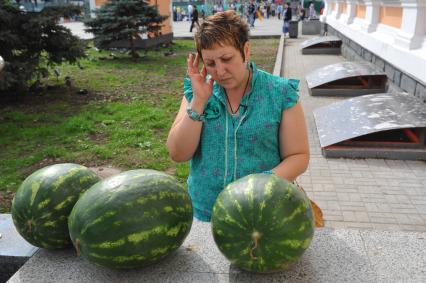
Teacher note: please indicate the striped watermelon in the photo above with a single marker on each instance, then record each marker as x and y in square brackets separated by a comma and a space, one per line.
[262, 223]
[43, 202]
[131, 220]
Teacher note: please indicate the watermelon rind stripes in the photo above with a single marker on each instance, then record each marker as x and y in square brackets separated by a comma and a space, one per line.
[131, 220]
[43, 202]
[262, 223]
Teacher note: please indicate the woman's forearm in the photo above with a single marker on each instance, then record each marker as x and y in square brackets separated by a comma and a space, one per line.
[184, 135]
[183, 139]
[293, 166]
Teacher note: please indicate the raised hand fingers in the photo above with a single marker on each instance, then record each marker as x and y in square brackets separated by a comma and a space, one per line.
[190, 62]
[204, 72]
[196, 61]
[193, 62]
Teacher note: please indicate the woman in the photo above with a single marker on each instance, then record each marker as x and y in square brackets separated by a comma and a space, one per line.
[234, 119]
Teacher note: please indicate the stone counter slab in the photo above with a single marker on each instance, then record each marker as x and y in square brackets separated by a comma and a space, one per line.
[334, 256]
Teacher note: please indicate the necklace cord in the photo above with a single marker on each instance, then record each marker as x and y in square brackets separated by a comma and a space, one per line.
[244, 92]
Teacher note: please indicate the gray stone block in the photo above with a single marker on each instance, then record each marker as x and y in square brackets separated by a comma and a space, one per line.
[324, 28]
[356, 47]
[345, 40]
[421, 92]
[408, 84]
[344, 50]
[348, 53]
[311, 27]
[358, 58]
[367, 55]
[390, 71]
[14, 250]
[392, 88]
[379, 63]
[334, 256]
[397, 78]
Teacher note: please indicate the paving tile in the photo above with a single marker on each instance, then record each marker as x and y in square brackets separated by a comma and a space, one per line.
[361, 186]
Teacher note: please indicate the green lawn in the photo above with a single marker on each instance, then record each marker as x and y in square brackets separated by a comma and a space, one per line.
[123, 121]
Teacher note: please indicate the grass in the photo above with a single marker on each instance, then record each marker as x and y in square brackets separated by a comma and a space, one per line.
[122, 122]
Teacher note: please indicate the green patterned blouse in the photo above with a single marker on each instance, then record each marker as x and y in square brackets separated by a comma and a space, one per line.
[231, 146]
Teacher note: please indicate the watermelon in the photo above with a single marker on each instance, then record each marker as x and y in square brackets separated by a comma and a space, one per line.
[262, 223]
[131, 220]
[43, 202]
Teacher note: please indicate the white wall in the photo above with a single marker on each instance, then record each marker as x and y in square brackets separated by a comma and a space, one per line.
[405, 48]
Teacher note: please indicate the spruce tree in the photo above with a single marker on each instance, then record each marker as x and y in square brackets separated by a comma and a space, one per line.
[124, 20]
[31, 43]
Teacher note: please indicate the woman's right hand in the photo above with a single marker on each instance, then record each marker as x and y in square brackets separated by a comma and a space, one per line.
[201, 89]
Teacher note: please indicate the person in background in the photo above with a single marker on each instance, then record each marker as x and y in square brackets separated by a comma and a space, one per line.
[259, 13]
[280, 10]
[273, 9]
[190, 11]
[302, 14]
[174, 14]
[220, 7]
[268, 9]
[179, 13]
[235, 119]
[251, 13]
[322, 6]
[286, 18]
[194, 18]
[243, 8]
[312, 14]
[184, 16]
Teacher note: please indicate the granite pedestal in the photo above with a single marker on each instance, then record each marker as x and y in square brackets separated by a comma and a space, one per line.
[311, 27]
[14, 250]
[334, 256]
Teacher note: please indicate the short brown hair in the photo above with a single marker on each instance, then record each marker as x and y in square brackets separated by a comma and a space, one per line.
[223, 28]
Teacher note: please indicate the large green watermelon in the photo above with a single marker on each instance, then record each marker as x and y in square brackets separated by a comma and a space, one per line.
[131, 220]
[262, 223]
[43, 202]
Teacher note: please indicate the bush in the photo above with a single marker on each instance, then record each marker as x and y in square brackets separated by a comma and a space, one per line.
[32, 43]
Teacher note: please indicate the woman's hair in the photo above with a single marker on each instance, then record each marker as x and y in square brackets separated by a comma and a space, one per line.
[223, 28]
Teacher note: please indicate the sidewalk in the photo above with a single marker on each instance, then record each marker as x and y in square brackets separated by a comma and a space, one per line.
[356, 193]
[266, 27]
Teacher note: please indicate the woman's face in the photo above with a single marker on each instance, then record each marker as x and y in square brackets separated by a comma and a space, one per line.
[226, 65]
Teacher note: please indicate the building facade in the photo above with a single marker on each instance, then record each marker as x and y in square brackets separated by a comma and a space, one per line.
[389, 33]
